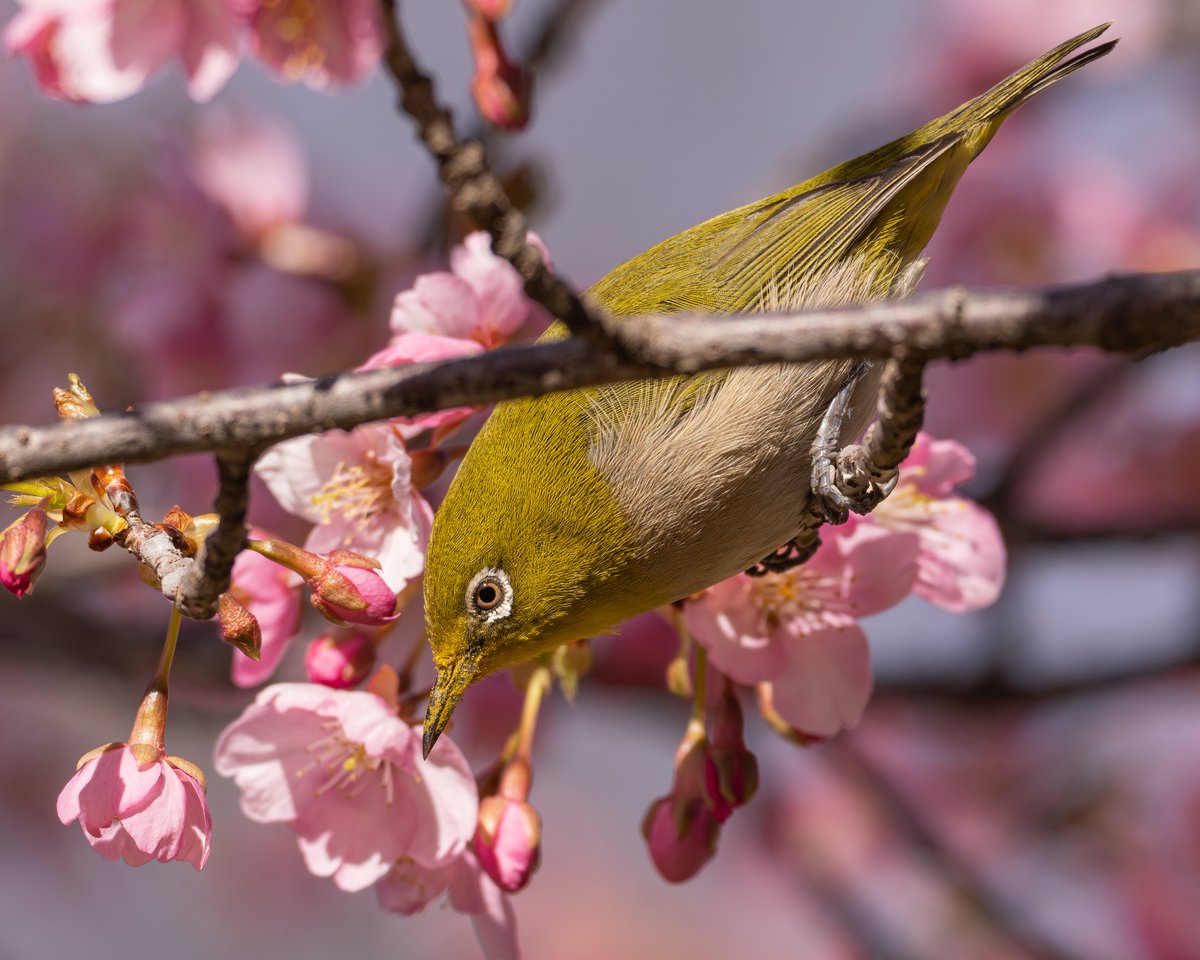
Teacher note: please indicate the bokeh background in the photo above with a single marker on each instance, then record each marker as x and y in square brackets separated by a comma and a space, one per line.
[1027, 780]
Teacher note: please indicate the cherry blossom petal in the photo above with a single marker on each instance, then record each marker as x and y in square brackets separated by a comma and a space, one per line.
[935, 467]
[157, 828]
[962, 560]
[196, 842]
[272, 594]
[409, 887]
[109, 786]
[874, 567]
[209, 47]
[827, 682]
[734, 630]
[448, 809]
[439, 304]
[498, 288]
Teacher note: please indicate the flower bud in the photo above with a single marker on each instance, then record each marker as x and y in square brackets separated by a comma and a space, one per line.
[731, 771]
[347, 593]
[239, 627]
[502, 90]
[74, 402]
[345, 585]
[508, 841]
[681, 829]
[678, 855]
[489, 9]
[23, 552]
[340, 659]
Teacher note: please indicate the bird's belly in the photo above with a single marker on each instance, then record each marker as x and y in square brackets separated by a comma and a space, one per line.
[716, 491]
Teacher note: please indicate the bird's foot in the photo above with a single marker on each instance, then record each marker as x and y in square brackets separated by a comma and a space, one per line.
[844, 480]
[793, 553]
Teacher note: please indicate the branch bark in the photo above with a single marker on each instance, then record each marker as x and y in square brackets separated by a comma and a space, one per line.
[1136, 313]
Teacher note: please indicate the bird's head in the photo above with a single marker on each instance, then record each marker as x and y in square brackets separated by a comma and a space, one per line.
[529, 550]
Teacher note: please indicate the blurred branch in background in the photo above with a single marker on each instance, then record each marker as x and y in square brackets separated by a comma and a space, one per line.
[542, 53]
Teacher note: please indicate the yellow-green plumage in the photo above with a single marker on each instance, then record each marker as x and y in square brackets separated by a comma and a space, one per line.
[584, 508]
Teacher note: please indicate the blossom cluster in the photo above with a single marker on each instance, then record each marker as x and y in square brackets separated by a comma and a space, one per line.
[105, 50]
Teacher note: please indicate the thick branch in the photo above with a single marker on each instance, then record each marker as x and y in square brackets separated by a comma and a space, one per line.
[1136, 313]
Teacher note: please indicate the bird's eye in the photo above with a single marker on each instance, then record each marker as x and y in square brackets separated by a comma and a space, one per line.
[490, 594]
[487, 595]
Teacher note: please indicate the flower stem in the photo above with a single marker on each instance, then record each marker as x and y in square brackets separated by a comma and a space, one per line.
[539, 685]
[147, 739]
[699, 687]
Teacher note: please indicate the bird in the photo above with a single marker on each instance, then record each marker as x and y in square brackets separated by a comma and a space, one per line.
[574, 511]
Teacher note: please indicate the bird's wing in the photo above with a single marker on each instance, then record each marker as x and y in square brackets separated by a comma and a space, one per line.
[819, 248]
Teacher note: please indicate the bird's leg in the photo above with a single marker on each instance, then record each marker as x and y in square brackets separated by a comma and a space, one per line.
[860, 476]
[832, 499]
[867, 472]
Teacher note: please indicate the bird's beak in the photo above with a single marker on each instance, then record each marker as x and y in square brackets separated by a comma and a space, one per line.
[451, 682]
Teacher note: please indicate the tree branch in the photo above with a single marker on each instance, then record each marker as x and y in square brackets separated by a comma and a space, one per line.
[1136, 313]
[208, 576]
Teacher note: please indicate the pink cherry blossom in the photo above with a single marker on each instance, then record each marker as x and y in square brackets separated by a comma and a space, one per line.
[272, 594]
[346, 774]
[483, 299]
[409, 887]
[104, 50]
[960, 556]
[357, 488]
[318, 42]
[252, 167]
[799, 629]
[138, 812]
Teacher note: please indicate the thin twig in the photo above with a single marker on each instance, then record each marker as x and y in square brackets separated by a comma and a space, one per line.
[209, 574]
[1121, 314]
[474, 189]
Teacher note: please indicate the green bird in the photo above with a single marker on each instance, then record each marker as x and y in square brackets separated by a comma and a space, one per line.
[574, 511]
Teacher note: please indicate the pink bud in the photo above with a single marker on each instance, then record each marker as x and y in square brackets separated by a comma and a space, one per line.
[351, 594]
[490, 9]
[340, 660]
[23, 552]
[680, 851]
[681, 828]
[502, 90]
[508, 841]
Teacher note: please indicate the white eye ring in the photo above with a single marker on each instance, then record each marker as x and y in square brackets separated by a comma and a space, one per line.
[495, 605]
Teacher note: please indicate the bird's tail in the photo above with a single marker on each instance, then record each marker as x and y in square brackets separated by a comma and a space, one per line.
[988, 110]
